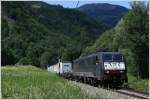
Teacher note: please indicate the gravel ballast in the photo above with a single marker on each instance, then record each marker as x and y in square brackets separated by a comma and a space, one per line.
[99, 92]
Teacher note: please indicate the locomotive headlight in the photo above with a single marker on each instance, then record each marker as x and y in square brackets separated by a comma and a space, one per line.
[107, 72]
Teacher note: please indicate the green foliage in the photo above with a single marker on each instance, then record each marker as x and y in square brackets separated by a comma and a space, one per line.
[136, 26]
[45, 59]
[70, 54]
[29, 29]
[28, 82]
[134, 36]
[104, 42]
[7, 56]
[24, 61]
[138, 85]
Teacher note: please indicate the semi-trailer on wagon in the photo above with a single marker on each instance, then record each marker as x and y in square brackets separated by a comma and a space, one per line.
[62, 68]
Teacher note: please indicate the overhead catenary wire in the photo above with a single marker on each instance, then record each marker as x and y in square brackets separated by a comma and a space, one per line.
[77, 4]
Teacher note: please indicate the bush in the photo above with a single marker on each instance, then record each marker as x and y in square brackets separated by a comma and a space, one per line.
[45, 59]
[24, 61]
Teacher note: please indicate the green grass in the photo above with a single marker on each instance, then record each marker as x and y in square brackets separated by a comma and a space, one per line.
[30, 82]
[138, 85]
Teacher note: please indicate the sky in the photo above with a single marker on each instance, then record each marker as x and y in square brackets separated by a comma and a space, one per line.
[73, 3]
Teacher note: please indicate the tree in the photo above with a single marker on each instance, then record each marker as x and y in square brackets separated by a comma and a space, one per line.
[70, 53]
[45, 59]
[136, 27]
[28, 32]
[24, 61]
[132, 36]
[8, 58]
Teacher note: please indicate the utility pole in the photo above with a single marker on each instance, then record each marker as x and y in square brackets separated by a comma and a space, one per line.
[77, 4]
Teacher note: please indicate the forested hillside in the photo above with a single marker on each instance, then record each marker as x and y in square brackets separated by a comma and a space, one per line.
[103, 12]
[38, 34]
[130, 36]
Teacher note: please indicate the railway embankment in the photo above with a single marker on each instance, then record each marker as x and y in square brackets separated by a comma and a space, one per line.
[29, 82]
[99, 92]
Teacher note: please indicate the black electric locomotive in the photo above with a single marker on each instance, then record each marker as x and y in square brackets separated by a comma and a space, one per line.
[101, 68]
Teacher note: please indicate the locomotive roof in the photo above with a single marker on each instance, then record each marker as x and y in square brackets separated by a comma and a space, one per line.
[97, 53]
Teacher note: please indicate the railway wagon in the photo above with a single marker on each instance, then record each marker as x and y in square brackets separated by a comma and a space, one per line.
[101, 68]
[62, 68]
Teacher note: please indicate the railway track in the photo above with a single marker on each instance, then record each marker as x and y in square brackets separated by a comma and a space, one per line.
[106, 93]
[125, 91]
[133, 93]
[129, 92]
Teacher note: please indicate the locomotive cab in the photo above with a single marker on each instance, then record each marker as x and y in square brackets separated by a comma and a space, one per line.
[113, 62]
[114, 67]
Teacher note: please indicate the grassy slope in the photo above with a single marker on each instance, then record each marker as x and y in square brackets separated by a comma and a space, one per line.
[138, 85]
[31, 82]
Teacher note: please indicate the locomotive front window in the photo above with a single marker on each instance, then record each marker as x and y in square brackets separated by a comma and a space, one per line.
[107, 57]
[117, 57]
[112, 57]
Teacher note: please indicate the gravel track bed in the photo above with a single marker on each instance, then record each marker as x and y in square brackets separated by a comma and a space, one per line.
[99, 92]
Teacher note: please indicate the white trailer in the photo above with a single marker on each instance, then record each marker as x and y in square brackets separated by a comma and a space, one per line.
[61, 68]
[65, 67]
[54, 68]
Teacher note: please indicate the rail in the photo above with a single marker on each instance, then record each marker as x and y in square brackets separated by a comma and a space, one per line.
[133, 93]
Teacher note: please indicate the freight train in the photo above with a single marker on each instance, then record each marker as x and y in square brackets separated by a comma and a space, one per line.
[101, 68]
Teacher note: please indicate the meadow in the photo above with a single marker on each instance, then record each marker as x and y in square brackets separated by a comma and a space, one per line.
[29, 82]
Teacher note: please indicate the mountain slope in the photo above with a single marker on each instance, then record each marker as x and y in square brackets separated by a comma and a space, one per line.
[103, 12]
[38, 34]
